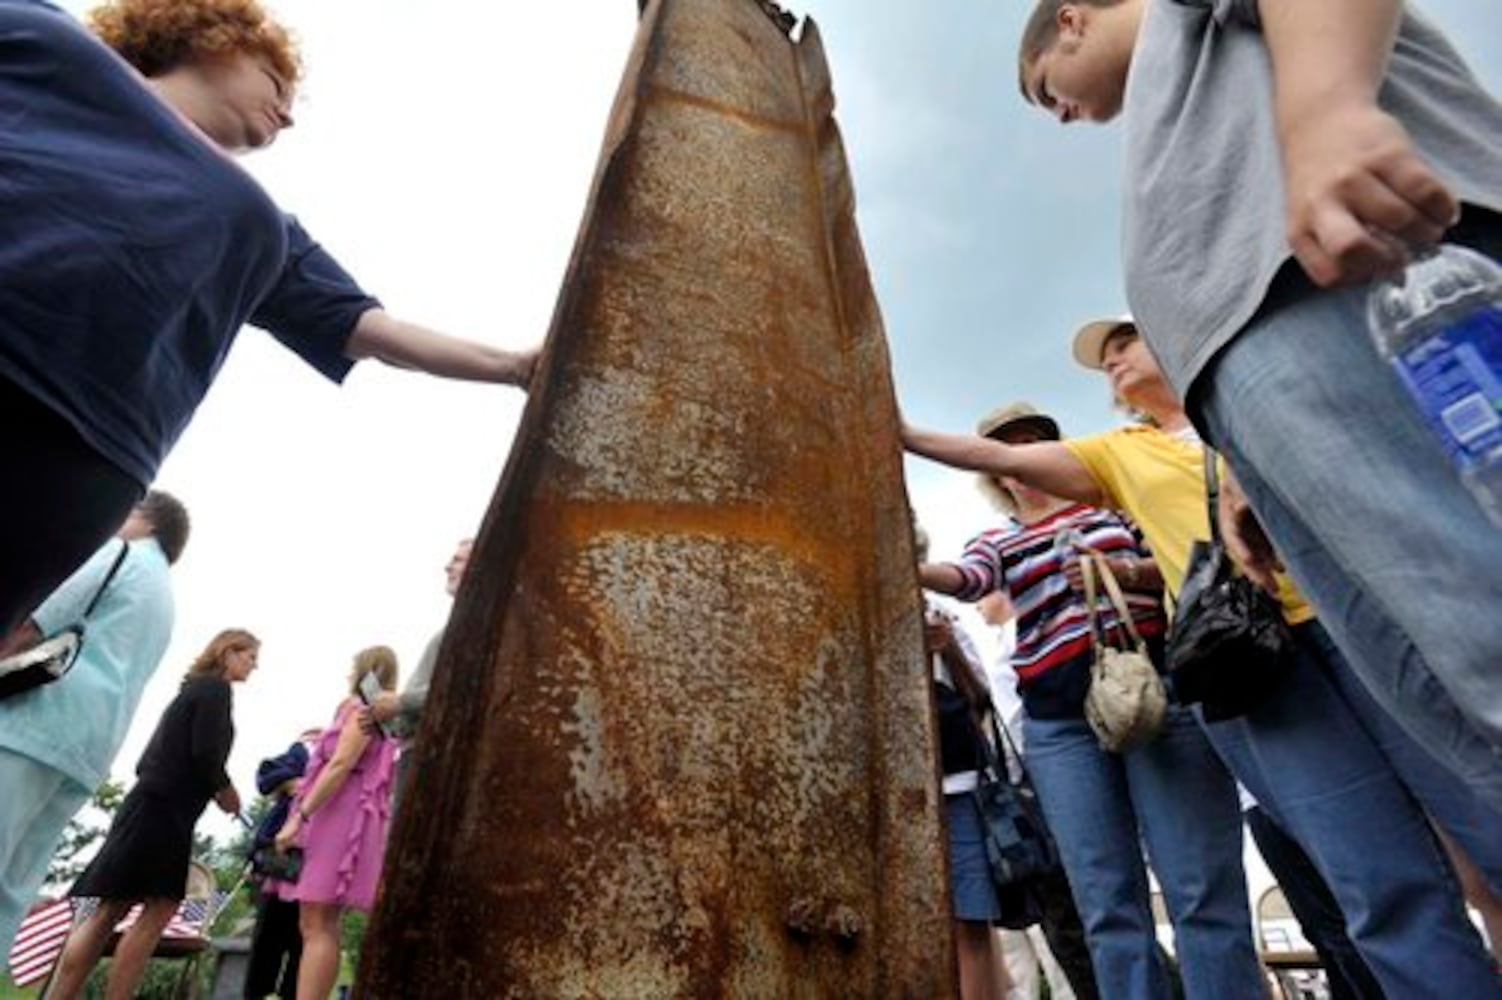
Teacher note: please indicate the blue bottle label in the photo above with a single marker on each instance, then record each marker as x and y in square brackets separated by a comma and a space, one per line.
[1455, 376]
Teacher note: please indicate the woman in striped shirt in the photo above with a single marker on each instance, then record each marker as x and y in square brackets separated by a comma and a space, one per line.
[1172, 794]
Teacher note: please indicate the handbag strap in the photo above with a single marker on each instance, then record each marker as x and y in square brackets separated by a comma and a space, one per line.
[1092, 562]
[124, 551]
[1212, 492]
[999, 732]
[995, 750]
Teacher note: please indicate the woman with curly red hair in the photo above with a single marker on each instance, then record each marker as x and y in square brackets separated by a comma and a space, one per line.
[224, 64]
[132, 249]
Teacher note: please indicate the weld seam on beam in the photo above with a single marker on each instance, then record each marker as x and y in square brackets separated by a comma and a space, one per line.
[668, 95]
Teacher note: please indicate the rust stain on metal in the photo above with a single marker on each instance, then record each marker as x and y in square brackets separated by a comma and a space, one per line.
[679, 741]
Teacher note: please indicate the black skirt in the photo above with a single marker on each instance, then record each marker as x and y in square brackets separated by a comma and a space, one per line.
[146, 853]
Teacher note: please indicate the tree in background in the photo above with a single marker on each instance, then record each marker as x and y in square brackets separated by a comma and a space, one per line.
[83, 832]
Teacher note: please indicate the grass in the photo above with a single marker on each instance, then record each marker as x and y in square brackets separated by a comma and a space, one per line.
[10, 991]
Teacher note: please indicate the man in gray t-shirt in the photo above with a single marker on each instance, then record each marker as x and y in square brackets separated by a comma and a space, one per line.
[405, 710]
[1279, 155]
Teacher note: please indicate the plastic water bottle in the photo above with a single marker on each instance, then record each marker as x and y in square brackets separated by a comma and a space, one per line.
[1440, 326]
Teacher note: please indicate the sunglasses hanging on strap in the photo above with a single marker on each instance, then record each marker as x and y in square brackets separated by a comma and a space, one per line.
[55, 655]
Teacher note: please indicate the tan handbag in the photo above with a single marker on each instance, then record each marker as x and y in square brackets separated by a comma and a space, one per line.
[1126, 700]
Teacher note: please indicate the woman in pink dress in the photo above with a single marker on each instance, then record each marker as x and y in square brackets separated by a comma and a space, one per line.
[339, 819]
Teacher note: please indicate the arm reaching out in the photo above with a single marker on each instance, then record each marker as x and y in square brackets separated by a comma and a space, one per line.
[398, 342]
[1043, 465]
[943, 578]
[1357, 191]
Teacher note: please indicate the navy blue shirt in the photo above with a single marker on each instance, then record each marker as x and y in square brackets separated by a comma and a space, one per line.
[132, 249]
[271, 775]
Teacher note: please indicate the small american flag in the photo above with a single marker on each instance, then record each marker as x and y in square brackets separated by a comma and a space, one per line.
[45, 930]
[191, 919]
[40, 941]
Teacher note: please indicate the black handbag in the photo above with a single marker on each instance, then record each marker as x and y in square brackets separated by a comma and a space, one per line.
[284, 866]
[1229, 647]
[55, 655]
[1020, 851]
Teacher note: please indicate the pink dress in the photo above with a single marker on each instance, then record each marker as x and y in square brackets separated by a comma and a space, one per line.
[344, 840]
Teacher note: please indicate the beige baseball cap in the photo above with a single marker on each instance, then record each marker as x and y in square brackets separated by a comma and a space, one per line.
[1090, 339]
[1016, 414]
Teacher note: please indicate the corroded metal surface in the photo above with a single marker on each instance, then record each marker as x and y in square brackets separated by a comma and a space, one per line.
[679, 743]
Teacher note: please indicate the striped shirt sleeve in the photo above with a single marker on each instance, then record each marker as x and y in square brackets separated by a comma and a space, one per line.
[982, 566]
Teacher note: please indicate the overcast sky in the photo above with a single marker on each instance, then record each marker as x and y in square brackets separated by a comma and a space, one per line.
[443, 151]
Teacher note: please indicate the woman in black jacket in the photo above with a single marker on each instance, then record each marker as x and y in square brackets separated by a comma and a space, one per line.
[146, 854]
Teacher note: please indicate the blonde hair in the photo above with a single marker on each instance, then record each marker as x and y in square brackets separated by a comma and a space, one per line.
[999, 496]
[1131, 412]
[210, 662]
[378, 660]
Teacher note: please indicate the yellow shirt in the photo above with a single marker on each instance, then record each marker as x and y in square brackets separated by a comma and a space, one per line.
[1159, 481]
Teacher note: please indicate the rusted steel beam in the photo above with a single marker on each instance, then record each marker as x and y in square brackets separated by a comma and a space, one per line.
[679, 742]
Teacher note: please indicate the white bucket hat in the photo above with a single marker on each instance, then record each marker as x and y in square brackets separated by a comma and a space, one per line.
[1090, 339]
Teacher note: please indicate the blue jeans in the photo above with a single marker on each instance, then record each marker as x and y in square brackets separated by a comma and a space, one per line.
[1174, 795]
[1369, 516]
[971, 891]
[1454, 807]
[1312, 767]
[1316, 909]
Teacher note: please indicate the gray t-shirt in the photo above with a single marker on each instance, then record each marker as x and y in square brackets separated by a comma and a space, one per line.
[414, 696]
[1205, 232]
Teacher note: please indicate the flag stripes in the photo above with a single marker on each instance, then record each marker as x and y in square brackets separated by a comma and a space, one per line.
[44, 931]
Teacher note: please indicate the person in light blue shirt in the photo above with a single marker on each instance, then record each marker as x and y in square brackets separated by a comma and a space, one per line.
[57, 741]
